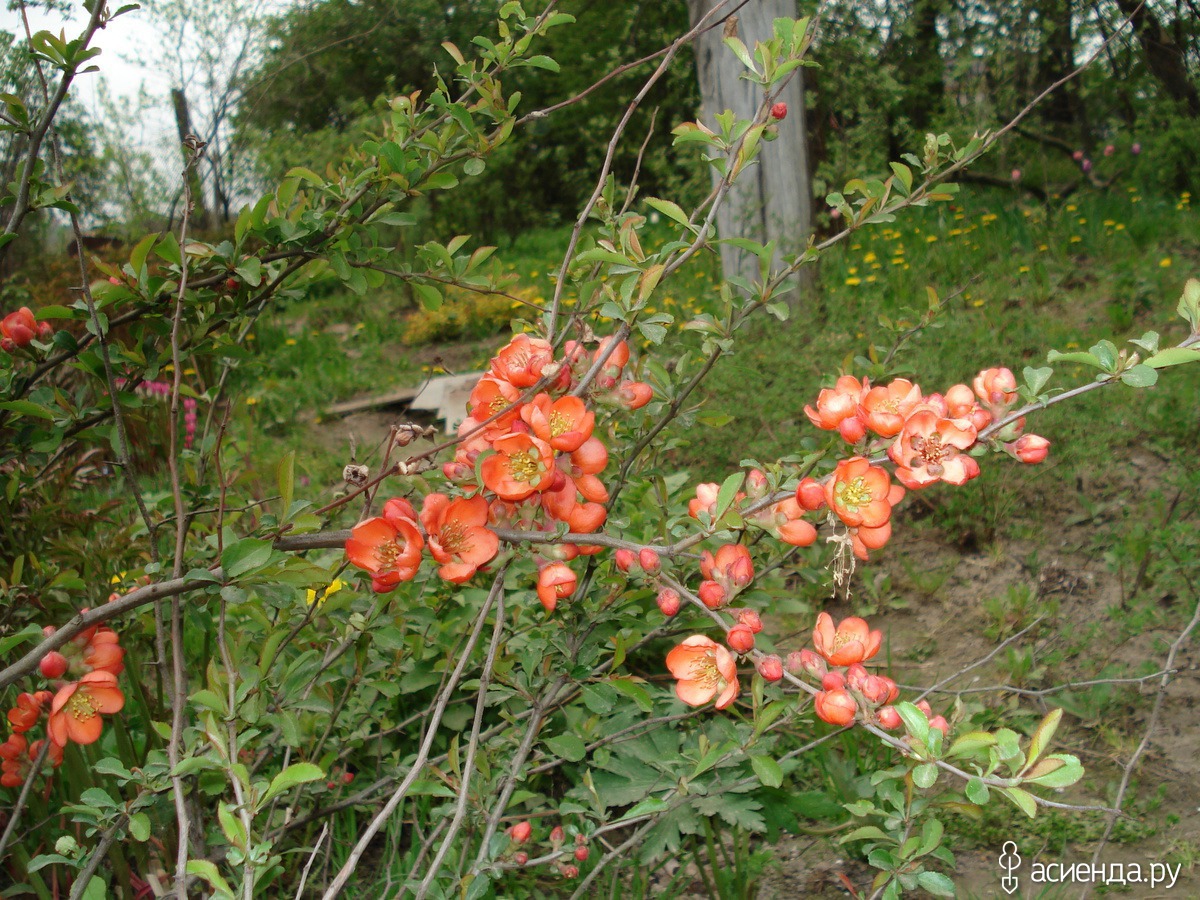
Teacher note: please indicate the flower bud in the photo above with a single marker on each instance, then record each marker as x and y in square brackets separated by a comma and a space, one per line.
[940, 723]
[811, 663]
[668, 602]
[835, 707]
[779, 111]
[347, 777]
[833, 681]
[889, 718]
[756, 484]
[53, 665]
[810, 494]
[520, 832]
[1109, 150]
[624, 560]
[1016, 174]
[923, 706]
[570, 871]
[555, 582]
[520, 857]
[711, 594]
[751, 619]
[557, 835]
[1031, 448]
[650, 561]
[770, 667]
[581, 854]
[1077, 156]
[740, 638]
[1135, 149]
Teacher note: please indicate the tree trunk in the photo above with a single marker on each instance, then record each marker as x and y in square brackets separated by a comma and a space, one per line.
[772, 201]
[1163, 56]
[183, 122]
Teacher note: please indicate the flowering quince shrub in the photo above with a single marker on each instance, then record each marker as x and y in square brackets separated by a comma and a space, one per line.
[509, 663]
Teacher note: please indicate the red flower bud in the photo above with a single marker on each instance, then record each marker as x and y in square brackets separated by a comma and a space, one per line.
[570, 871]
[624, 560]
[1031, 448]
[810, 494]
[833, 681]
[581, 854]
[53, 665]
[650, 561]
[940, 723]
[520, 857]
[557, 835]
[520, 832]
[347, 777]
[751, 619]
[889, 718]
[779, 111]
[770, 667]
[740, 638]
[711, 594]
[668, 602]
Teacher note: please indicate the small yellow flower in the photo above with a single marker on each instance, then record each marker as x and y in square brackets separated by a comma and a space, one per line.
[870, 278]
[250, 401]
[291, 342]
[1082, 221]
[1023, 268]
[325, 594]
[1120, 226]
[1135, 199]
[856, 246]
[853, 281]
[954, 232]
[932, 239]
[1042, 248]
[853, 270]
[1075, 239]
[1109, 223]
[1165, 262]
[870, 257]
[978, 303]
[1072, 345]
[1071, 207]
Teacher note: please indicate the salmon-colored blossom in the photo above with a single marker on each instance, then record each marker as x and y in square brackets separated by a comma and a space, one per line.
[520, 363]
[1029, 448]
[635, 394]
[564, 424]
[852, 641]
[387, 546]
[76, 709]
[810, 494]
[704, 671]
[492, 395]
[521, 465]
[838, 408]
[28, 710]
[996, 388]
[725, 574]
[885, 408]
[861, 494]
[930, 449]
[555, 582]
[18, 329]
[458, 536]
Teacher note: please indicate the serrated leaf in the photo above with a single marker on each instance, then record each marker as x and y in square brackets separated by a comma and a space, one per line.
[1036, 379]
[866, 833]
[925, 775]
[1173, 356]
[139, 827]
[937, 884]
[1043, 736]
[1078, 356]
[1023, 800]
[245, 556]
[977, 792]
[727, 494]
[915, 721]
[1063, 771]
[1140, 376]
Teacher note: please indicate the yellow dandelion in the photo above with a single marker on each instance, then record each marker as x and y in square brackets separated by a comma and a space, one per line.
[1072, 345]
[853, 270]
[1165, 262]
[1135, 199]
[954, 232]
[1042, 248]
[291, 342]
[856, 246]
[853, 281]
[1023, 268]
[1120, 226]
[898, 261]
[870, 278]
[1075, 239]
[978, 303]
[1071, 207]
[1109, 223]
[250, 401]
[870, 257]
[1082, 221]
[932, 239]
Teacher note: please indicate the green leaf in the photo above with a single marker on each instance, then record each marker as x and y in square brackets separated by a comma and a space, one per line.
[567, 746]
[914, 721]
[542, 62]
[208, 871]
[1023, 799]
[937, 884]
[867, 833]
[474, 166]
[28, 633]
[1173, 356]
[297, 773]
[1058, 770]
[970, 742]
[767, 770]
[1140, 376]
[925, 775]
[672, 211]
[1036, 378]
[727, 494]
[1079, 356]
[28, 408]
[1189, 304]
[1106, 353]
[245, 556]
[285, 474]
[977, 792]
[1043, 736]
[139, 827]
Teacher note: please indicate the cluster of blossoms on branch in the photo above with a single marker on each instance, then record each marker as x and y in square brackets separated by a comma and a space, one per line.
[520, 832]
[83, 674]
[18, 329]
[927, 438]
[526, 458]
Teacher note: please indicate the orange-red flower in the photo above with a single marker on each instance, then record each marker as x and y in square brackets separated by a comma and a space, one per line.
[930, 449]
[786, 520]
[725, 574]
[492, 395]
[838, 408]
[104, 652]
[1029, 448]
[861, 494]
[705, 670]
[521, 465]
[851, 642]
[458, 536]
[555, 582]
[635, 394]
[564, 423]
[885, 408]
[18, 328]
[28, 710]
[76, 710]
[835, 707]
[520, 363]
[387, 546]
